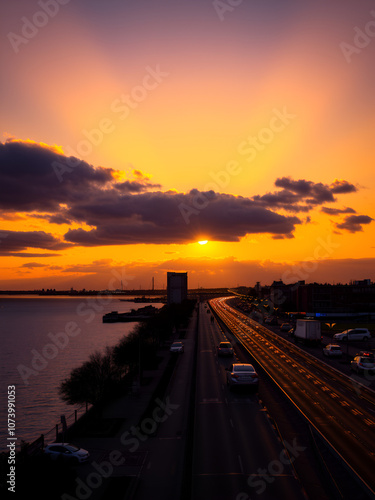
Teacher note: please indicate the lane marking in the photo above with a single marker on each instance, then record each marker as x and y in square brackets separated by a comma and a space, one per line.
[356, 412]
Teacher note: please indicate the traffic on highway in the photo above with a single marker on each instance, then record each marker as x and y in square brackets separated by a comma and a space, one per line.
[340, 408]
[237, 453]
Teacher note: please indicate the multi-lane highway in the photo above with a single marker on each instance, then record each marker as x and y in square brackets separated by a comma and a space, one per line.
[236, 453]
[240, 445]
[342, 411]
[218, 444]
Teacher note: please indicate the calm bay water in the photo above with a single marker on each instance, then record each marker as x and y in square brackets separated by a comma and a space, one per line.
[27, 326]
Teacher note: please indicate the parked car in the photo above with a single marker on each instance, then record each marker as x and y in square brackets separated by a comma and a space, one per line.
[177, 347]
[285, 327]
[242, 374]
[363, 364]
[67, 451]
[353, 334]
[332, 350]
[224, 349]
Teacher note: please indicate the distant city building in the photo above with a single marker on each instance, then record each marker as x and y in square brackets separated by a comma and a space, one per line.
[176, 288]
[321, 298]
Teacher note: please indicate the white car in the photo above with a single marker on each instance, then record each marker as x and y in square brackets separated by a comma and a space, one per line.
[363, 364]
[332, 350]
[242, 374]
[353, 334]
[177, 347]
[67, 451]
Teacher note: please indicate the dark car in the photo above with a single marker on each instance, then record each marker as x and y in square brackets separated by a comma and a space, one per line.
[225, 349]
[242, 374]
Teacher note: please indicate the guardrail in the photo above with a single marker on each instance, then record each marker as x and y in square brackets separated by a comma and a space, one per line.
[57, 431]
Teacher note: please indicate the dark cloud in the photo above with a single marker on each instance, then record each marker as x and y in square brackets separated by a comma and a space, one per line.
[38, 180]
[29, 255]
[37, 177]
[341, 186]
[174, 217]
[337, 211]
[12, 242]
[135, 186]
[302, 195]
[32, 265]
[313, 193]
[353, 223]
[28, 180]
[282, 200]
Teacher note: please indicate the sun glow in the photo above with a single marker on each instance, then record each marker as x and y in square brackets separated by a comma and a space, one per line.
[203, 242]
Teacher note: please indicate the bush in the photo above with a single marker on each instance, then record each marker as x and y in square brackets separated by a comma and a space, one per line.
[90, 382]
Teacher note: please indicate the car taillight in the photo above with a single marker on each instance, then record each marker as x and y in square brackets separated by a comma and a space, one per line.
[234, 375]
[254, 375]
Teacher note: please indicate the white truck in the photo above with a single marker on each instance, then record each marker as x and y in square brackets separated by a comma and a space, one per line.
[307, 331]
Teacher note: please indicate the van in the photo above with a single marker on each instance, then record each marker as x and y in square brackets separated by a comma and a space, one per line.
[353, 334]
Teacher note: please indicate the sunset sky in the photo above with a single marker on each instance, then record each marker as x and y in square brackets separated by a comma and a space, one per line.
[133, 130]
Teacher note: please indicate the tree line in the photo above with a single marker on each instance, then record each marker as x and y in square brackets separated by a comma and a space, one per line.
[105, 373]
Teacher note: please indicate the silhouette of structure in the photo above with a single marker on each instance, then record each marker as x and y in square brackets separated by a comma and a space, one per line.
[176, 287]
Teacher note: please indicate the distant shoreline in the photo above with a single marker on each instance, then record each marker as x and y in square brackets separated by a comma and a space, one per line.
[119, 293]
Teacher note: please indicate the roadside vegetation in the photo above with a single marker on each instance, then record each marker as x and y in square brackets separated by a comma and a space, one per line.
[104, 374]
[101, 378]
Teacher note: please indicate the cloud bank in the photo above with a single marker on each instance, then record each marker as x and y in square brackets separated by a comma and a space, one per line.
[39, 180]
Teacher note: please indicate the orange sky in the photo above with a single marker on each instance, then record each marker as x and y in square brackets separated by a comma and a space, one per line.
[172, 98]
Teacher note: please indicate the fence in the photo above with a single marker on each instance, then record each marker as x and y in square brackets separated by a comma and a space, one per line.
[58, 430]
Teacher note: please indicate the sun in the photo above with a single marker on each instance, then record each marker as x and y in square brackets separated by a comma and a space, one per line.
[203, 242]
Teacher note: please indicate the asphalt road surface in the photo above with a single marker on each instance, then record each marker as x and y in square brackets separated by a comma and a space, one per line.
[342, 411]
[237, 453]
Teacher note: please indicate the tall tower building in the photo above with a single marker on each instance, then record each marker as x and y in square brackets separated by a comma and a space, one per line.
[176, 287]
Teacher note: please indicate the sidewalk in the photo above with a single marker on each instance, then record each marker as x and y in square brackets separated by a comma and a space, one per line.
[117, 455]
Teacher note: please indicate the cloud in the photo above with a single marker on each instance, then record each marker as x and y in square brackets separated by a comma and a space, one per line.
[353, 223]
[135, 187]
[12, 242]
[36, 177]
[29, 255]
[204, 271]
[337, 211]
[97, 266]
[32, 265]
[174, 218]
[340, 186]
[39, 181]
[28, 181]
[302, 195]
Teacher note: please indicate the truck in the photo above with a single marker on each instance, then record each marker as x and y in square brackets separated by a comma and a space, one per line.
[307, 331]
